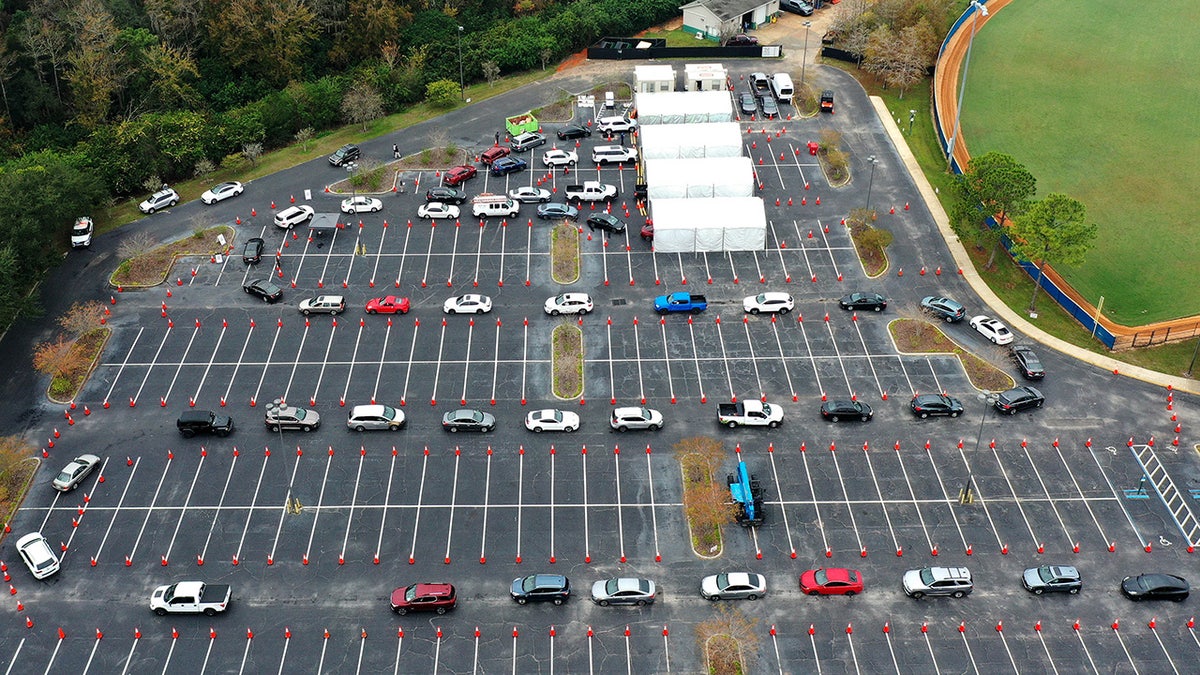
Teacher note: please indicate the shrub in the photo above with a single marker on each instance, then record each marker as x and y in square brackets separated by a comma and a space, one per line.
[442, 93]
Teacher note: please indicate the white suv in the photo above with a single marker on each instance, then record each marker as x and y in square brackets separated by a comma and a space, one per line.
[162, 199]
[636, 418]
[293, 215]
[953, 581]
[610, 154]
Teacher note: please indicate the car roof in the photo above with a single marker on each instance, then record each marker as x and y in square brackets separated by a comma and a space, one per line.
[435, 589]
[1064, 571]
[549, 580]
[366, 410]
[743, 579]
[630, 583]
[582, 297]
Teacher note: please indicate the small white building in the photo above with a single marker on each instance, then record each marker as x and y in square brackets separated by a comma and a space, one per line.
[705, 77]
[712, 18]
[652, 79]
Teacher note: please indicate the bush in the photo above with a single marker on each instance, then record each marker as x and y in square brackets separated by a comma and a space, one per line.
[442, 93]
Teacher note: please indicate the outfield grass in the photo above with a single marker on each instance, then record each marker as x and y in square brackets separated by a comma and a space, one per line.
[1098, 98]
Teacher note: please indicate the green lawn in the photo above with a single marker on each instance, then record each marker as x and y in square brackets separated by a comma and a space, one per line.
[1099, 99]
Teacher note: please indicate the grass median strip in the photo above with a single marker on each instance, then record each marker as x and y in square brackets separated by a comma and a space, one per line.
[913, 336]
[567, 361]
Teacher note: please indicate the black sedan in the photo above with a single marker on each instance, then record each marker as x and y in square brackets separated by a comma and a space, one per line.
[263, 288]
[769, 107]
[541, 588]
[573, 131]
[607, 222]
[871, 301]
[924, 405]
[1028, 362]
[556, 211]
[466, 419]
[445, 194]
[1155, 587]
[836, 411]
[1052, 579]
[252, 253]
[1019, 398]
[747, 103]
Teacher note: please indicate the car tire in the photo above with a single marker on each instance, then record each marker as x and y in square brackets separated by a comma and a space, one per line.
[1179, 599]
[752, 597]
[949, 319]
[209, 611]
[957, 594]
[522, 601]
[731, 425]
[451, 311]
[924, 415]
[187, 433]
[222, 433]
[1074, 591]
[917, 595]
[833, 418]
[772, 425]
[334, 313]
[813, 593]
[371, 312]
[375, 209]
[305, 312]
[642, 603]
[848, 593]
[783, 310]
[554, 312]
[714, 598]
[454, 430]
[266, 300]
[400, 610]
[754, 311]
[160, 611]
[274, 427]
[150, 210]
[485, 430]
[360, 428]
[953, 414]
[653, 427]
[1012, 411]
[558, 601]
[536, 430]
[622, 428]
[866, 418]
[878, 308]
[602, 603]
[1039, 403]
[1038, 591]
[569, 429]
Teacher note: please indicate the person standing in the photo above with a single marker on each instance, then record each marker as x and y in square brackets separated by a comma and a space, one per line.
[497, 139]
[395, 151]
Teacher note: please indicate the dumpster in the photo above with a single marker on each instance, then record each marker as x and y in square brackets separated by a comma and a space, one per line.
[520, 124]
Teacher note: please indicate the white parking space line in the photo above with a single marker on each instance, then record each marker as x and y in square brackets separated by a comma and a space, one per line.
[287, 389]
[612, 380]
[80, 511]
[587, 528]
[358, 246]
[1166, 652]
[916, 506]
[453, 500]
[812, 492]
[1083, 644]
[945, 496]
[320, 502]
[837, 466]
[1008, 650]
[696, 360]
[882, 505]
[812, 640]
[237, 554]
[186, 502]
[732, 267]
[92, 654]
[179, 366]
[404, 253]
[312, 400]
[362, 458]
[521, 496]
[153, 500]
[787, 373]
[283, 508]
[833, 341]
[779, 248]
[1071, 541]
[929, 646]
[679, 263]
[528, 254]
[437, 372]
[787, 529]
[973, 485]
[429, 254]
[387, 495]
[637, 346]
[207, 366]
[154, 360]
[120, 502]
[1116, 497]
[237, 365]
[962, 633]
[812, 359]
[829, 247]
[867, 353]
[50, 510]
[117, 378]
[1016, 500]
[408, 368]
[1084, 500]
[267, 362]
[225, 490]
[524, 359]
[620, 513]
[467, 361]
[753, 359]
[496, 362]
[453, 254]
[378, 255]
[479, 251]
[662, 326]
[1124, 647]
[725, 360]
[353, 361]
[487, 491]
[707, 272]
[412, 551]
[328, 256]
[1037, 630]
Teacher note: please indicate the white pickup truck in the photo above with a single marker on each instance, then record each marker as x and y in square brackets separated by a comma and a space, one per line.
[591, 191]
[750, 413]
[191, 597]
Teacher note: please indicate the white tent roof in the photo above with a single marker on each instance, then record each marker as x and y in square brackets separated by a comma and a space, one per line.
[677, 107]
[707, 225]
[680, 141]
[699, 178]
[654, 72]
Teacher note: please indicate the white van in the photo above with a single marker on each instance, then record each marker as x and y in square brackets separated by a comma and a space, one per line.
[781, 84]
[487, 205]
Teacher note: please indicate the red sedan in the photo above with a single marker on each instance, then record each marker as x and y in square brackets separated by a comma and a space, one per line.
[831, 581]
[388, 305]
[458, 174]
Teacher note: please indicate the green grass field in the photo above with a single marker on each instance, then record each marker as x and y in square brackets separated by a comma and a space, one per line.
[1100, 99]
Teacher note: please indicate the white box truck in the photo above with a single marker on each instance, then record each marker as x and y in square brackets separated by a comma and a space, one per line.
[781, 84]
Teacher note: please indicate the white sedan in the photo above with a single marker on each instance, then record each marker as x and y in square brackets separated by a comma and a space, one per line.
[361, 205]
[222, 191]
[471, 303]
[771, 301]
[568, 303]
[528, 194]
[549, 419]
[437, 210]
[558, 157]
[992, 329]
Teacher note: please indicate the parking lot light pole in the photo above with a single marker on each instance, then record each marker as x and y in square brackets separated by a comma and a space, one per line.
[871, 183]
[962, 86]
[989, 399]
[804, 59]
[351, 169]
[462, 90]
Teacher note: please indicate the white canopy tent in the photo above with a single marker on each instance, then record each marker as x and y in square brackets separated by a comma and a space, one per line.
[709, 225]
[691, 141]
[678, 107]
[700, 178]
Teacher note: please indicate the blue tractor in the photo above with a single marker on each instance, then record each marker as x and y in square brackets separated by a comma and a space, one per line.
[748, 494]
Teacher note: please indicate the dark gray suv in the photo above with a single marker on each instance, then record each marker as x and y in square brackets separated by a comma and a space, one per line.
[346, 153]
[192, 422]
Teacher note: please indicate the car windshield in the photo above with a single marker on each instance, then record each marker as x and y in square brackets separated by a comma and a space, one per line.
[610, 588]
[410, 593]
[556, 415]
[475, 416]
[821, 577]
[529, 583]
[1045, 574]
[927, 576]
[389, 412]
[722, 581]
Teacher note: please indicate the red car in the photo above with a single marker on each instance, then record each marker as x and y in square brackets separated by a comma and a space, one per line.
[424, 598]
[388, 305]
[831, 581]
[648, 232]
[492, 154]
[458, 174]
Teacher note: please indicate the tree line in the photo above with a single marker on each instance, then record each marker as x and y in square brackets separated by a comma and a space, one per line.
[895, 40]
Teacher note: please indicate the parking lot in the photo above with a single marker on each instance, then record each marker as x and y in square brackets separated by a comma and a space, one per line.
[314, 530]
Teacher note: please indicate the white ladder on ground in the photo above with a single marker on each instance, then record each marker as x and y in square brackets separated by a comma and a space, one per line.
[1172, 499]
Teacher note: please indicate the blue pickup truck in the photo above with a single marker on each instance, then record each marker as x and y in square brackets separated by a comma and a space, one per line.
[680, 302]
